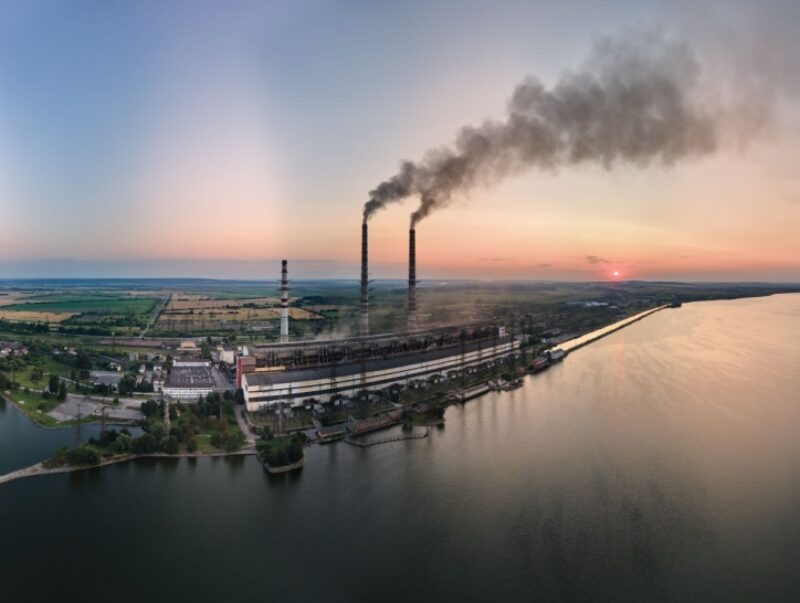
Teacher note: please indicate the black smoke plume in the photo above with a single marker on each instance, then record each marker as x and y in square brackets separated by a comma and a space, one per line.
[635, 101]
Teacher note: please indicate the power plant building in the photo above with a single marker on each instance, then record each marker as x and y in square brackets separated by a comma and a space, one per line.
[298, 386]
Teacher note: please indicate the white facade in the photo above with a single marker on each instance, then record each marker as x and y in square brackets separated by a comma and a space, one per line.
[324, 386]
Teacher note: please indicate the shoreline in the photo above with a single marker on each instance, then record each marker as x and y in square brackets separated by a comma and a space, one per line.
[608, 330]
[37, 469]
[69, 425]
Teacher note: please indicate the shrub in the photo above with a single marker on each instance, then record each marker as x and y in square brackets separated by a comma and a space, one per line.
[170, 445]
[235, 442]
[145, 444]
[218, 439]
[191, 445]
[82, 455]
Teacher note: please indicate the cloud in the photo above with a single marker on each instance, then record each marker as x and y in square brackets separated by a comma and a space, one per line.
[594, 259]
[492, 259]
[544, 265]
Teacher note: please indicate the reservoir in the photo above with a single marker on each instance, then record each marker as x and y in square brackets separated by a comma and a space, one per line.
[661, 462]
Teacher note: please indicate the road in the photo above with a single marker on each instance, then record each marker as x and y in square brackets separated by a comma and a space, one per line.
[155, 316]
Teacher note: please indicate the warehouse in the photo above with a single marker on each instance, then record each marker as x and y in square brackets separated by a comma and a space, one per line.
[188, 380]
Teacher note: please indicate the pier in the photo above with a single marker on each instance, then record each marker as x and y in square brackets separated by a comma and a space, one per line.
[411, 436]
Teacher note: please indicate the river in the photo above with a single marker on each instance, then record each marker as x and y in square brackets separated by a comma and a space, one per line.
[661, 462]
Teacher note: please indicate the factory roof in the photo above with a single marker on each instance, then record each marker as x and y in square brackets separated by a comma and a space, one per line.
[111, 379]
[301, 343]
[190, 377]
[372, 364]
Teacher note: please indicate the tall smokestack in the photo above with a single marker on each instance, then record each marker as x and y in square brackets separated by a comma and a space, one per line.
[284, 302]
[364, 323]
[412, 279]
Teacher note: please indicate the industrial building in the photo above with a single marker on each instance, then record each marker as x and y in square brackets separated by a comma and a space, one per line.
[273, 385]
[189, 380]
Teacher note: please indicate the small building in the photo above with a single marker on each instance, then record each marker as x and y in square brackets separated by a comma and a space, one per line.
[226, 355]
[110, 379]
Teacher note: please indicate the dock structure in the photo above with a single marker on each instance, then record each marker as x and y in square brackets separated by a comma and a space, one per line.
[408, 436]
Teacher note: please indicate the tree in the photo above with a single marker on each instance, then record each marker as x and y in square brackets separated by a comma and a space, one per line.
[145, 444]
[127, 385]
[82, 455]
[149, 408]
[218, 439]
[122, 444]
[62, 391]
[53, 384]
[191, 445]
[234, 442]
[157, 430]
[83, 362]
[239, 396]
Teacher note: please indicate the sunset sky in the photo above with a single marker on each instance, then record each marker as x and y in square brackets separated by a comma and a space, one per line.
[214, 138]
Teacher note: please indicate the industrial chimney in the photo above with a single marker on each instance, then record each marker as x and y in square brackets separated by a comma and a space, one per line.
[364, 323]
[284, 302]
[412, 279]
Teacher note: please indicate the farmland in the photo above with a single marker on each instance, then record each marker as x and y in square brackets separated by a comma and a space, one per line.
[187, 313]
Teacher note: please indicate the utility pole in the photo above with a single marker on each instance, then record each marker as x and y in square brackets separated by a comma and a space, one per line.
[78, 428]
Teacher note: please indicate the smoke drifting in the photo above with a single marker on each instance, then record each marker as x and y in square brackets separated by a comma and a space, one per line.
[636, 101]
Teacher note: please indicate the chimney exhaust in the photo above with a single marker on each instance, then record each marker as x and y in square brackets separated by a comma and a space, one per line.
[364, 322]
[412, 279]
[284, 302]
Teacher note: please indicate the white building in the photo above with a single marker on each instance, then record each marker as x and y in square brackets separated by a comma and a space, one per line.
[264, 389]
[188, 380]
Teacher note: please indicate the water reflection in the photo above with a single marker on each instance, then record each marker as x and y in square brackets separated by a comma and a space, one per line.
[660, 463]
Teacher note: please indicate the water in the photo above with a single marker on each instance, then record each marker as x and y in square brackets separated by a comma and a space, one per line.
[659, 463]
[23, 443]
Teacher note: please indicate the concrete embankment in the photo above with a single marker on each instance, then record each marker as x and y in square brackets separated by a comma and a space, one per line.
[400, 438]
[584, 340]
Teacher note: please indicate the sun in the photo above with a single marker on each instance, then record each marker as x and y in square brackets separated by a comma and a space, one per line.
[615, 274]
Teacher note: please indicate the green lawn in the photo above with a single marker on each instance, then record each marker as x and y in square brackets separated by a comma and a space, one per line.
[48, 366]
[30, 403]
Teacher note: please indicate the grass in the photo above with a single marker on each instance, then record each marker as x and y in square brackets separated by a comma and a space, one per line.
[204, 443]
[110, 305]
[29, 402]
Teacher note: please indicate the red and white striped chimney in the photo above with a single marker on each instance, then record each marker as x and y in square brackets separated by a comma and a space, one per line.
[284, 302]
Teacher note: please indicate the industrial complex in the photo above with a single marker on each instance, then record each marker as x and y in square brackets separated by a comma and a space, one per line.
[319, 372]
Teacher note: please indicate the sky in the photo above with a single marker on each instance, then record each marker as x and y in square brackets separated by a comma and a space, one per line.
[215, 138]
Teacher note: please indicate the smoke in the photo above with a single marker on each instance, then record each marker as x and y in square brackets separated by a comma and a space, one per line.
[636, 100]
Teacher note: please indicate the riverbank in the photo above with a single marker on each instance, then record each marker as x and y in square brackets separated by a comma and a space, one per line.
[575, 344]
[39, 468]
[457, 396]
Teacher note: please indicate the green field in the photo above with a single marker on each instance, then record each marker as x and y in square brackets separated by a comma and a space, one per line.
[102, 305]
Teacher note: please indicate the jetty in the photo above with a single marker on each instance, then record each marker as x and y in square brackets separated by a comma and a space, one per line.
[409, 436]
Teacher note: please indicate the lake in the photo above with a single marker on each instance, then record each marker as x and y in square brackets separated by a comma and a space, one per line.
[659, 463]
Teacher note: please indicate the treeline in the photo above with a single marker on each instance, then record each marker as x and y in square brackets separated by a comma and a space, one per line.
[279, 452]
[24, 327]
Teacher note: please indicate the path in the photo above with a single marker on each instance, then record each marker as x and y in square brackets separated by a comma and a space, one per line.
[155, 316]
[243, 425]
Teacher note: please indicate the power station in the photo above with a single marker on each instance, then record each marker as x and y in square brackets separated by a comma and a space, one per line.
[320, 371]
